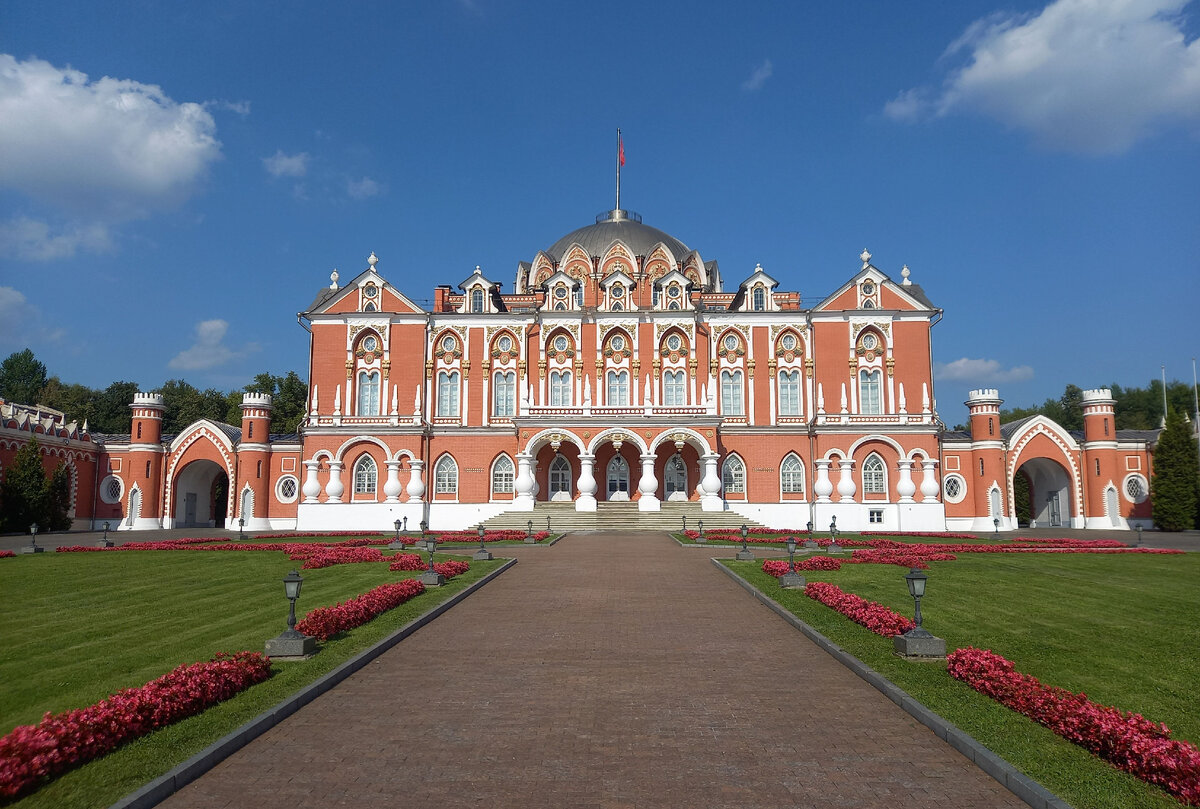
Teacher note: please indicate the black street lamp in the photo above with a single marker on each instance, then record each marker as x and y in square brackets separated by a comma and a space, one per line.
[481, 555]
[424, 530]
[405, 523]
[33, 546]
[918, 642]
[431, 578]
[996, 526]
[700, 527]
[744, 554]
[396, 544]
[810, 544]
[684, 522]
[241, 525]
[529, 540]
[291, 642]
[791, 580]
[105, 542]
[834, 547]
[547, 523]
[1139, 530]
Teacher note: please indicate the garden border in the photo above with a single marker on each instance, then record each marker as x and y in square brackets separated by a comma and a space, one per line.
[1009, 776]
[159, 789]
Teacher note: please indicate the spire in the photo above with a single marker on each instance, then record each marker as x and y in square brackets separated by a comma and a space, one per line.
[620, 162]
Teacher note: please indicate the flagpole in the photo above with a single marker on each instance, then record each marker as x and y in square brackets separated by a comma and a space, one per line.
[1164, 381]
[618, 169]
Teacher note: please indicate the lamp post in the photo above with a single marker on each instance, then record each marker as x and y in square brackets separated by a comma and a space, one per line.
[684, 522]
[701, 539]
[547, 523]
[744, 554]
[529, 540]
[834, 547]
[405, 529]
[996, 527]
[431, 578]
[810, 544]
[791, 580]
[241, 525]
[918, 642]
[105, 542]
[33, 546]
[483, 554]
[424, 530]
[396, 544]
[291, 643]
[1139, 540]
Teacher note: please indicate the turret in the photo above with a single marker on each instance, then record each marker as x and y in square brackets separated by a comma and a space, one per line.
[987, 458]
[254, 464]
[1099, 417]
[984, 405]
[144, 470]
[147, 418]
[256, 417]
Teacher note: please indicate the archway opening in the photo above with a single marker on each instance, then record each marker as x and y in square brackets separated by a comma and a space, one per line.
[201, 495]
[1049, 493]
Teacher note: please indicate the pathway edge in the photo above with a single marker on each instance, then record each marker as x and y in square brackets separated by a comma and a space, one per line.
[157, 790]
[1009, 776]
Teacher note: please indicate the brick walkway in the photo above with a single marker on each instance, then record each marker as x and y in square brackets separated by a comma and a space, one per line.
[608, 671]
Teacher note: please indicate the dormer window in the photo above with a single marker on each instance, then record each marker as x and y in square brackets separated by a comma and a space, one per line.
[759, 299]
[477, 299]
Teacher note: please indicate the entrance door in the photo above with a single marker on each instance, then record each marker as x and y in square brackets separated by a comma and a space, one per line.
[675, 479]
[189, 509]
[560, 479]
[247, 505]
[1055, 510]
[1114, 510]
[135, 506]
[618, 479]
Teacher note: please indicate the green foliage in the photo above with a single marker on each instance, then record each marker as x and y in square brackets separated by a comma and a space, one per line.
[1175, 487]
[24, 493]
[289, 399]
[186, 404]
[22, 378]
[1022, 494]
[1136, 408]
[112, 408]
[58, 498]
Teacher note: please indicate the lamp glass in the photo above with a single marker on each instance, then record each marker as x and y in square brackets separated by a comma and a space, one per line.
[397, 524]
[745, 530]
[292, 583]
[916, 583]
[791, 544]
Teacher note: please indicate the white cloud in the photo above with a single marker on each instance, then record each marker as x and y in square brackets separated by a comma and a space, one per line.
[21, 322]
[209, 349]
[759, 77]
[981, 370]
[242, 108]
[106, 150]
[1092, 76]
[284, 165]
[33, 240]
[363, 189]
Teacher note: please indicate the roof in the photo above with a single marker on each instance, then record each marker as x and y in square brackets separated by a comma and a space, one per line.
[1149, 436]
[1007, 430]
[918, 293]
[613, 226]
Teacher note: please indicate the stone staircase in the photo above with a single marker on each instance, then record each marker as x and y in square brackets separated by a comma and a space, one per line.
[614, 517]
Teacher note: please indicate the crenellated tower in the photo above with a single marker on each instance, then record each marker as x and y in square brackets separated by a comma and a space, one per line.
[1101, 471]
[254, 462]
[143, 477]
[987, 475]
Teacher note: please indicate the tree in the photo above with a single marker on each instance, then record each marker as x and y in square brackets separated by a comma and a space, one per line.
[23, 492]
[22, 378]
[112, 408]
[58, 498]
[1175, 487]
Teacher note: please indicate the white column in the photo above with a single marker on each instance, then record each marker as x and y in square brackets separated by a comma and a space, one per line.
[823, 487]
[334, 488]
[846, 487]
[929, 484]
[312, 486]
[648, 485]
[523, 484]
[416, 486]
[587, 483]
[905, 486]
[710, 484]
[392, 488]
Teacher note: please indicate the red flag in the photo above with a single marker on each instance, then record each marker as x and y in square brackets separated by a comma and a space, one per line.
[621, 143]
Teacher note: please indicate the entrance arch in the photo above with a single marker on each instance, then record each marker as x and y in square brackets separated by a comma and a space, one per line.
[201, 495]
[1049, 493]
[617, 479]
[559, 482]
[675, 478]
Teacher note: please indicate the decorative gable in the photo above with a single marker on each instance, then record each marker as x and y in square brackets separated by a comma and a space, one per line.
[479, 294]
[671, 292]
[756, 293]
[617, 291]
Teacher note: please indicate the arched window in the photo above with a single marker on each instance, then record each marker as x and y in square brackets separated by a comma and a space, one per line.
[791, 475]
[789, 393]
[579, 297]
[447, 394]
[873, 476]
[504, 394]
[731, 393]
[368, 393]
[560, 389]
[502, 475]
[674, 392]
[655, 294]
[365, 475]
[870, 400]
[445, 476]
[759, 297]
[477, 299]
[733, 475]
[618, 389]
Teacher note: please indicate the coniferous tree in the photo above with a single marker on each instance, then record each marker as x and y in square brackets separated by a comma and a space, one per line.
[23, 493]
[58, 498]
[1175, 487]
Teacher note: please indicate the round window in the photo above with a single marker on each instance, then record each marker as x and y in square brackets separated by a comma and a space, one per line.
[673, 291]
[448, 343]
[788, 342]
[868, 288]
[673, 342]
[560, 343]
[955, 488]
[560, 292]
[370, 290]
[869, 342]
[731, 342]
[618, 290]
[286, 489]
[618, 343]
[504, 343]
[370, 343]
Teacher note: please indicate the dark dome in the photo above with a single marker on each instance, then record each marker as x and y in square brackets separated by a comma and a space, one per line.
[612, 226]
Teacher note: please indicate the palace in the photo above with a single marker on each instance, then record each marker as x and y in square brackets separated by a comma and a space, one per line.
[621, 369]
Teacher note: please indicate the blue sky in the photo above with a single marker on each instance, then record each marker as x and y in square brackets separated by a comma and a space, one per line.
[177, 180]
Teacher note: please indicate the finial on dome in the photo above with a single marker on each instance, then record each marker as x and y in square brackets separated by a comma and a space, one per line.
[333, 279]
[904, 273]
[865, 258]
[758, 267]
[372, 259]
[478, 270]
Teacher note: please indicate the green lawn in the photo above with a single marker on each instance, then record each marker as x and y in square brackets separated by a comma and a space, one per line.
[79, 627]
[1125, 630]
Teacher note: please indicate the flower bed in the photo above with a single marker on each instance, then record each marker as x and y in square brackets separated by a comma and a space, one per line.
[325, 622]
[6, 554]
[413, 561]
[31, 753]
[1127, 740]
[875, 617]
[490, 536]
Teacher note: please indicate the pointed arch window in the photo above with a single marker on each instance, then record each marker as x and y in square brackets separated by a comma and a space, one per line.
[873, 478]
[447, 394]
[870, 398]
[731, 393]
[504, 394]
[674, 388]
[477, 299]
[733, 475]
[618, 389]
[365, 475]
[502, 475]
[368, 393]
[560, 389]
[445, 476]
[791, 475]
[789, 393]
